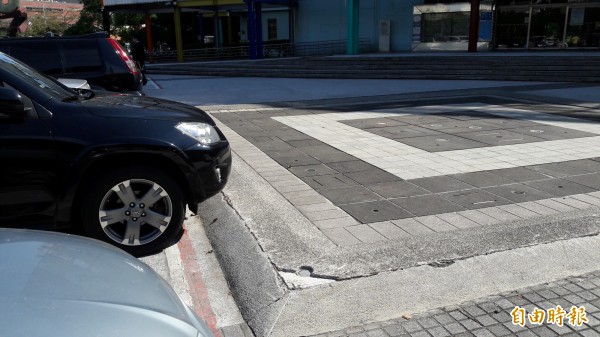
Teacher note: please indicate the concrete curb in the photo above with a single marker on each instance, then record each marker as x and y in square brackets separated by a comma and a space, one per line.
[252, 279]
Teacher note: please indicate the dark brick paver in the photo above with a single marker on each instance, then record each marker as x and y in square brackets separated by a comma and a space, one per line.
[491, 316]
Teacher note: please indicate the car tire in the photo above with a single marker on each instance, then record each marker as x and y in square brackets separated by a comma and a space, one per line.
[138, 209]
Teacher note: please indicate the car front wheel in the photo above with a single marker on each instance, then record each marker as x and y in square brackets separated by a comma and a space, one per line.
[138, 209]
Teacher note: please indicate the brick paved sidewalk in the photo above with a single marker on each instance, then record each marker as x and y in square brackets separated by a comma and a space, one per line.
[491, 316]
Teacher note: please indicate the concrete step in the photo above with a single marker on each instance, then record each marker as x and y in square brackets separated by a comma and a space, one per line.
[514, 68]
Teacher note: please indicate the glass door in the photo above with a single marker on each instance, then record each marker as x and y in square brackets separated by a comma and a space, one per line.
[511, 27]
[547, 27]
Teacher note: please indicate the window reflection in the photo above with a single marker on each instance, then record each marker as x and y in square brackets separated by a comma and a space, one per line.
[548, 24]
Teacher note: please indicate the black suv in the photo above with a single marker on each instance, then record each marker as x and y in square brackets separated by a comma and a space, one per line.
[97, 58]
[120, 167]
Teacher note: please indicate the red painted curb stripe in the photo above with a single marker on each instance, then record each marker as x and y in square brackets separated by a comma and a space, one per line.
[196, 284]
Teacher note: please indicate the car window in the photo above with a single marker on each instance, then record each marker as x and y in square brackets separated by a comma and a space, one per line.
[42, 56]
[82, 56]
[34, 77]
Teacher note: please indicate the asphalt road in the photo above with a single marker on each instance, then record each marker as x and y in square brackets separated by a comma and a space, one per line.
[346, 198]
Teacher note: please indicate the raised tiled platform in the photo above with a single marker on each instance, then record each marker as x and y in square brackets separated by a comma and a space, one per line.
[366, 176]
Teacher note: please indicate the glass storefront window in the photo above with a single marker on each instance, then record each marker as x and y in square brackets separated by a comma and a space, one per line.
[583, 28]
[547, 27]
[511, 28]
[444, 27]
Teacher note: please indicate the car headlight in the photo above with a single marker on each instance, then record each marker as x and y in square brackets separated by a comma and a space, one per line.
[204, 133]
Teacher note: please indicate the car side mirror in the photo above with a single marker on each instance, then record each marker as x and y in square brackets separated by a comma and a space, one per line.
[11, 104]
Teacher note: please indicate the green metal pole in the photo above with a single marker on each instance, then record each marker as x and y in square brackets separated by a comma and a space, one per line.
[178, 39]
[353, 14]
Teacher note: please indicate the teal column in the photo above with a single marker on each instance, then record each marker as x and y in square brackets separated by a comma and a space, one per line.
[353, 12]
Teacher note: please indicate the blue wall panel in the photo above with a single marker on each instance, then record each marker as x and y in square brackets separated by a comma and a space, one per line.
[324, 20]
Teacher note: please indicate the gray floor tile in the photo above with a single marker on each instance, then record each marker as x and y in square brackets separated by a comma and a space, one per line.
[560, 187]
[389, 230]
[290, 161]
[520, 174]
[329, 181]
[346, 221]
[349, 195]
[305, 143]
[412, 226]
[499, 214]
[372, 176]
[459, 126]
[458, 220]
[587, 165]
[369, 123]
[466, 115]
[288, 135]
[435, 223]
[311, 170]
[549, 132]
[508, 123]
[555, 205]
[441, 184]
[538, 208]
[427, 205]
[327, 154]
[572, 202]
[482, 179]
[375, 211]
[340, 236]
[591, 180]
[271, 146]
[365, 233]
[440, 143]
[399, 132]
[396, 189]
[563, 169]
[421, 119]
[479, 217]
[518, 192]
[473, 199]
[258, 141]
[500, 137]
[325, 215]
[351, 166]
[283, 151]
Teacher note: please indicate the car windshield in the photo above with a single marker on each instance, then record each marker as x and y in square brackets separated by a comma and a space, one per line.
[33, 77]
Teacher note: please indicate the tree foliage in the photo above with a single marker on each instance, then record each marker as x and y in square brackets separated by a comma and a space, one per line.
[90, 20]
[40, 25]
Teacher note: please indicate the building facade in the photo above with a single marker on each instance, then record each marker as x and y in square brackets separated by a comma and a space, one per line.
[393, 25]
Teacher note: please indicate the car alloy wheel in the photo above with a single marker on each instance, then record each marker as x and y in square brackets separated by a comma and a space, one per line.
[139, 209]
[135, 212]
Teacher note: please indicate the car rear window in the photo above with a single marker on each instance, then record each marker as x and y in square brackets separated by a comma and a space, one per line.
[43, 56]
[82, 56]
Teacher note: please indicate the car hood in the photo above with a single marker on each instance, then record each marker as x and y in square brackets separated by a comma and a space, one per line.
[129, 106]
[81, 276]
[68, 318]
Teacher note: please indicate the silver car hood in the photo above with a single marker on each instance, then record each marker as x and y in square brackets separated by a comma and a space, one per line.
[84, 282]
[66, 318]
